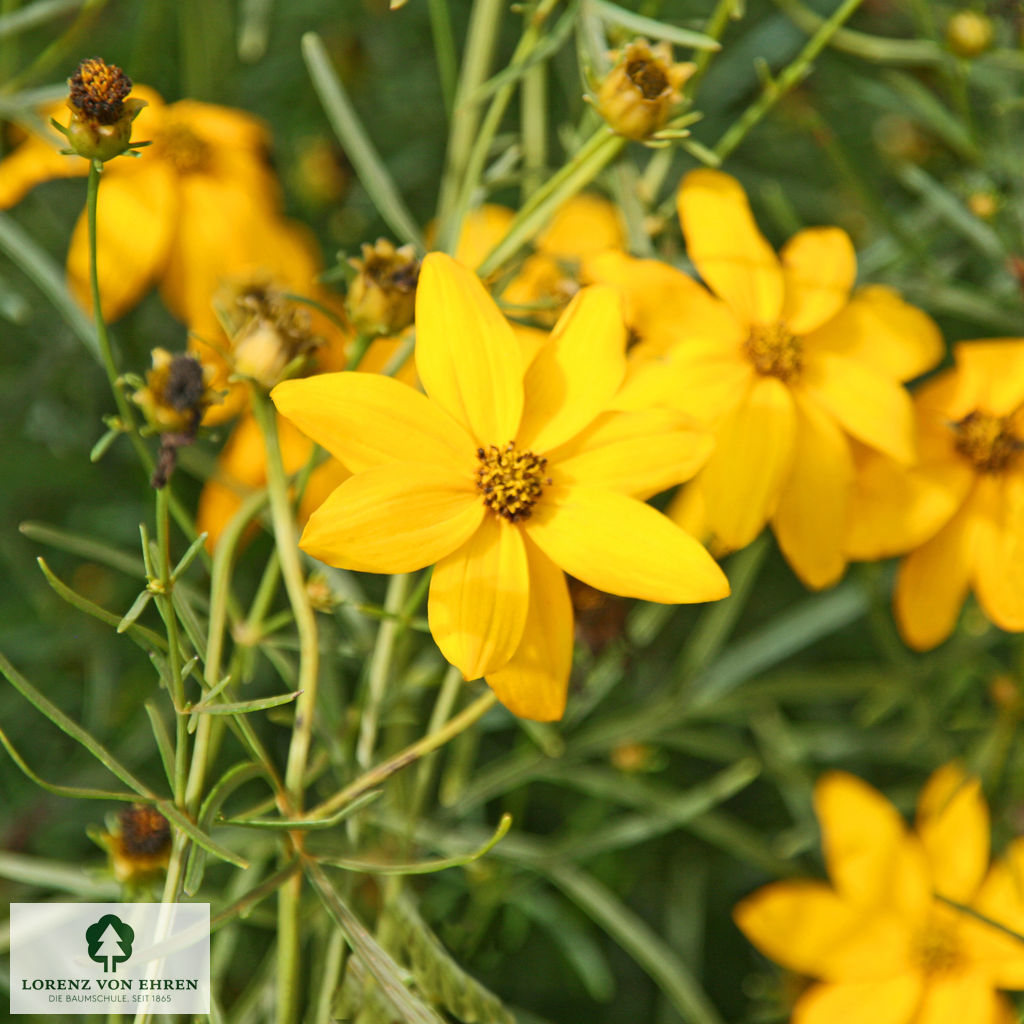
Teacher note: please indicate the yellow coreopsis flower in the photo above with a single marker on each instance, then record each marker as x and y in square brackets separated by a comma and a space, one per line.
[786, 367]
[503, 475]
[961, 510]
[887, 941]
[200, 203]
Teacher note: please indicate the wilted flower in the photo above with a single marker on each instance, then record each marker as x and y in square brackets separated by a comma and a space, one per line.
[382, 296]
[139, 844]
[637, 96]
[101, 114]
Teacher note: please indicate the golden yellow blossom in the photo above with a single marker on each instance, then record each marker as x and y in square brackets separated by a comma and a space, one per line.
[505, 476]
[887, 940]
[786, 367]
[197, 205]
[961, 509]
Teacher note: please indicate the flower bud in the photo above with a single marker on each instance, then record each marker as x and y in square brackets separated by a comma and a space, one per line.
[969, 33]
[382, 296]
[637, 96]
[101, 117]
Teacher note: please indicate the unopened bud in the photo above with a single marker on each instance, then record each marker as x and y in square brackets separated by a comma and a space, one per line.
[382, 295]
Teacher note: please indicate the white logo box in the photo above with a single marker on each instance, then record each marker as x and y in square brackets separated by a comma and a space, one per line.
[70, 958]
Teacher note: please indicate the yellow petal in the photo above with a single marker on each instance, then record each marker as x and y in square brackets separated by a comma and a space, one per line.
[958, 997]
[810, 517]
[482, 230]
[576, 372]
[478, 598]
[634, 453]
[932, 581]
[990, 376]
[397, 517]
[225, 127]
[885, 1001]
[135, 224]
[466, 354]
[750, 463]
[999, 568]
[895, 508]
[807, 927]
[873, 408]
[1000, 899]
[953, 823]
[535, 682]
[322, 482]
[819, 266]
[872, 859]
[585, 224]
[38, 159]
[879, 330]
[662, 305]
[365, 420]
[727, 248]
[621, 546]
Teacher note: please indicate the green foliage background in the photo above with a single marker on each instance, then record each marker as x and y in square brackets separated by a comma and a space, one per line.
[610, 900]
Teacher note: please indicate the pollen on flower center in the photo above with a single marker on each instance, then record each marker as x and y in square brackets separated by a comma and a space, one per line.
[98, 89]
[775, 351]
[987, 441]
[178, 144]
[936, 949]
[510, 480]
[648, 76]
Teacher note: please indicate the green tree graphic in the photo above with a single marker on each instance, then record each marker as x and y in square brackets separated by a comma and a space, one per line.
[110, 942]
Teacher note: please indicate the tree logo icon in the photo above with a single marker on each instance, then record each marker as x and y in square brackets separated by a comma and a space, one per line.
[110, 942]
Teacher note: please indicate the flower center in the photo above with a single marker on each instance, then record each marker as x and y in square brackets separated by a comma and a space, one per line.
[511, 481]
[987, 441]
[648, 76]
[98, 89]
[775, 351]
[936, 948]
[180, 146]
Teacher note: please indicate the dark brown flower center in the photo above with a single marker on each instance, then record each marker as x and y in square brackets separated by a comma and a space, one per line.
[178, 144]
[510, 481]
[648, 76]
[98, 89]
[144, 831]
[987, 441]
[775, 351]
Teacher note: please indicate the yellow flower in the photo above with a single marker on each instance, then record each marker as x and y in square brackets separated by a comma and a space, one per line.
[961, 509]
[885, 940]
[197, 204]
[785, 366]
[504, 475]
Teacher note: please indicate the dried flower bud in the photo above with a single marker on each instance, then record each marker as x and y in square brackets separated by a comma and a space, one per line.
[637, 96]
[969, 33]
[177, 393]
[139, 844]
[271, 336]
[101, 117]
[382, 296]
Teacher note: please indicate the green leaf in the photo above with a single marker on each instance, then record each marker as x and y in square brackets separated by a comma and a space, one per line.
[645, 26]
[307, 824]
[55, 875]
[243, 707]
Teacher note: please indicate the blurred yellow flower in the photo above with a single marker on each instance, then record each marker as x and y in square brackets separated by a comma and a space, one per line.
[198, 204]
[961, 509]
[504, 476]
[886, 940]
[784, 365]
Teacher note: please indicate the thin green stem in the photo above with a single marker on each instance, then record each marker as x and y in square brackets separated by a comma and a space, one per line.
[481, 39]
[444, 50]
[380, 666]
[789, 77]
[715, 28]
[594, 155]
[535, 127]
[446, 698]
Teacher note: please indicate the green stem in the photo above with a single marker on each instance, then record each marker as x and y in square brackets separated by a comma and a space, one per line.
[595, 154]
[380, 666]
[535, 127]
[444, 50]
[289, 983]
[789, 77]
[481, 39]
[446, 697]
[715, 28]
